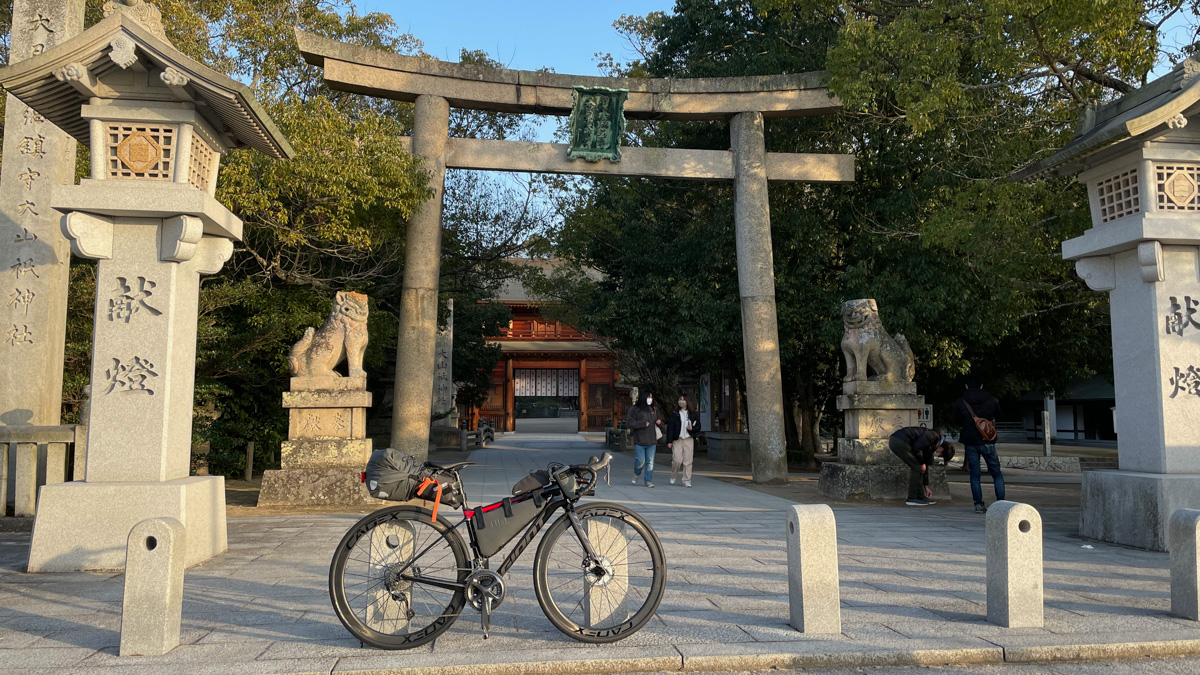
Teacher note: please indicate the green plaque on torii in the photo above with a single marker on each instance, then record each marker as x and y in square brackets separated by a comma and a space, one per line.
[597, 123]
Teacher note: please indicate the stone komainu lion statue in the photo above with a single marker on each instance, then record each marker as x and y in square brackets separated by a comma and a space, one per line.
[343, 335]
[866, 344]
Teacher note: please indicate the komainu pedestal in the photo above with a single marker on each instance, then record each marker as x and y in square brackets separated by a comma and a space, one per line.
[327, 444]
[873, 410]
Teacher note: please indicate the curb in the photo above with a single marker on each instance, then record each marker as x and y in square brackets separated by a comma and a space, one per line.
[974, 656]
[1101, 652]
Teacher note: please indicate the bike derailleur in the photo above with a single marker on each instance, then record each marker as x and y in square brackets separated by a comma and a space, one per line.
[485, 591]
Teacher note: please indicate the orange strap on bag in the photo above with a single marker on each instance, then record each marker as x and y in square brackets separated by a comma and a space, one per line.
[437, 498]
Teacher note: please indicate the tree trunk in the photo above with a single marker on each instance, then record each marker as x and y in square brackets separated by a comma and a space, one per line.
[810, 442]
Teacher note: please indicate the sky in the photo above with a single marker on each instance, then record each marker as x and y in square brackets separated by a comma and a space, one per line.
[524, 34]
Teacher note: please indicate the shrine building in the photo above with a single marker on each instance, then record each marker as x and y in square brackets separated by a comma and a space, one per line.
[550, 376]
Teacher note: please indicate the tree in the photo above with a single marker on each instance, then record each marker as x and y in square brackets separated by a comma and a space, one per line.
[332, 219]
[962, 261]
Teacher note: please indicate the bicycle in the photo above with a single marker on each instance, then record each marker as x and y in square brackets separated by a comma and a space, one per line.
[401, 576]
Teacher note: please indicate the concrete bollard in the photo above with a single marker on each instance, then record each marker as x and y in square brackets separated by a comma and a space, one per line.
[1014, 565]
[1046, 433]
[155, 559]
[1184, 545]
[813, 593]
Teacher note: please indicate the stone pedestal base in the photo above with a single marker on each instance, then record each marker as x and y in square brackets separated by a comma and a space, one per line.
[327, 448]
[850, 481]
[867, 451]
[1133, 508]
[728, 447]
[318, 486]
[85, 526]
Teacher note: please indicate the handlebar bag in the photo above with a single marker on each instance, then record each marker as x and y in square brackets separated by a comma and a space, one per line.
[535, 479]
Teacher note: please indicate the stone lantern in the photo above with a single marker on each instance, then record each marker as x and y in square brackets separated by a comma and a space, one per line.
[157, 124]
[1140, 159]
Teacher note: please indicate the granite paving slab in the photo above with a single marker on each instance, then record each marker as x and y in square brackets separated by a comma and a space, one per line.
[912, 588]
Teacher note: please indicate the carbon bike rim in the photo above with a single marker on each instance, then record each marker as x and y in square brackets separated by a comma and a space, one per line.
[608, 600]
[381, 579]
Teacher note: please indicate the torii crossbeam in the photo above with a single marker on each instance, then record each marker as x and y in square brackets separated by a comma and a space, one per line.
[436, 86]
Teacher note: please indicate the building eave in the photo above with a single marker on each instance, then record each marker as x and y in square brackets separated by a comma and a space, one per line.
[219, 98]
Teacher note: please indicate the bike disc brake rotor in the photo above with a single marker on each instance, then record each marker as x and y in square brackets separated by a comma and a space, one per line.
[485, 584]
[599, 573]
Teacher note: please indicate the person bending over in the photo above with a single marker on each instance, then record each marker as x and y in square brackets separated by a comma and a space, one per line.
[916, 447]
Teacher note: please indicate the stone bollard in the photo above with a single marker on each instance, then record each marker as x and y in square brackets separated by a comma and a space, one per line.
[1183, 543]
[813, 593]
[1014, 565]
[155, 559]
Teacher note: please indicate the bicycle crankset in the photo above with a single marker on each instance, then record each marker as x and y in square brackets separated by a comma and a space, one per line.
[485, 592]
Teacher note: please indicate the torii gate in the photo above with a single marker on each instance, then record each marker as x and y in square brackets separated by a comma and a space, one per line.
[435, 86]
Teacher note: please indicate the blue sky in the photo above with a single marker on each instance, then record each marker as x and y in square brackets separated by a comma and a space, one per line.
[524, 34]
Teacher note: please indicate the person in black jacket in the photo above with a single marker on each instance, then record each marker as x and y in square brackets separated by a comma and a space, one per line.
[642, 422]
[682, 427]
[985, 406]
[917, 447]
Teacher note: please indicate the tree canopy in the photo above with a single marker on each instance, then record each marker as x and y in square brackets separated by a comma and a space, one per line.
[943, 100]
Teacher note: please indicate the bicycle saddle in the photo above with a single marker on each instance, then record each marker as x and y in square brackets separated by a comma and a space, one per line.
[448, 466]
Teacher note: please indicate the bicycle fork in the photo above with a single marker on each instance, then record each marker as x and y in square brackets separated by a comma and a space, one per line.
[591, 562]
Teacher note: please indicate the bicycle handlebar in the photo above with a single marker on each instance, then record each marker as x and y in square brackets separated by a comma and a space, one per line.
[595, 464]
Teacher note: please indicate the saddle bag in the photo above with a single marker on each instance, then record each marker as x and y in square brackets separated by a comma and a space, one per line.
[397, 477]
[392, 475]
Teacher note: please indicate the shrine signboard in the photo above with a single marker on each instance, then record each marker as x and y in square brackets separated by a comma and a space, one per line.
[597, 123]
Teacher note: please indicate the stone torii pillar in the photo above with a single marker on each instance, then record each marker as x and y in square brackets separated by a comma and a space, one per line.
[756, 286]
[436, 86]
[157, 123]
[416, 339]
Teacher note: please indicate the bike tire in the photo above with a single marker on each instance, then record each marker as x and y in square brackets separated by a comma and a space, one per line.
[390, 533]
[552, 574]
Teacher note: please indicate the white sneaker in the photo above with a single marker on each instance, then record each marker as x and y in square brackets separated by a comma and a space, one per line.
[635, 480]
[687, 483]
[672, 480]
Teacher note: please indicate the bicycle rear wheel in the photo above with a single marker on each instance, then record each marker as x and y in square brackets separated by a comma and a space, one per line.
[396, 578]
[604, 602]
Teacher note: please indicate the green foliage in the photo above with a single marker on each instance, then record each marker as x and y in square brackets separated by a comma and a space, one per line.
[333, 218]
[943, 100]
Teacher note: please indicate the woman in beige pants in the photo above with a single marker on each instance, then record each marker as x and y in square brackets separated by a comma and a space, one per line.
[682, 428]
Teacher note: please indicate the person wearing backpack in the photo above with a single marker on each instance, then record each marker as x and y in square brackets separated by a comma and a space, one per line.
[977, 412]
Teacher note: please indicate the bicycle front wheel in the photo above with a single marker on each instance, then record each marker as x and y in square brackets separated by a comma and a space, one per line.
[612, 597]
[396, 579]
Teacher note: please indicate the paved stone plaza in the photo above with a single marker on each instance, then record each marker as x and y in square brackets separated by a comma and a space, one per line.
[912, 586]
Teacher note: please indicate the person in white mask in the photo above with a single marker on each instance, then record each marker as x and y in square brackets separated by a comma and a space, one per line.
[682, 428]
[643, 423]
